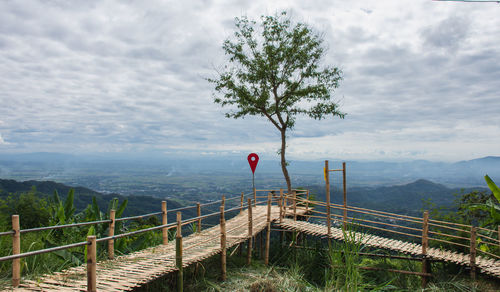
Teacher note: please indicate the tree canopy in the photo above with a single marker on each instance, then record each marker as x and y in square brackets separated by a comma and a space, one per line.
[275, 71]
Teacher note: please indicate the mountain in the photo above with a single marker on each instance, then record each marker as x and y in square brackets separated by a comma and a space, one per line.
[137, 205]
[75, 169]
[405, 199]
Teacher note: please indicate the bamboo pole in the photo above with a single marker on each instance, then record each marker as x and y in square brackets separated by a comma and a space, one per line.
[223, 201]
[223, 253]
[307, 204]
[425, 244]
[254, 197]
[268, 232]
[16, 249]
[111, 242]
[285, 205]
[327, 183]
[91, 263]
[178, 253]
[425, 233]
[281, 205]
[164, 221]
[241, 203]
[198, 213]
[345, 194]
[294, 205]
[473, 252]
[250, 233]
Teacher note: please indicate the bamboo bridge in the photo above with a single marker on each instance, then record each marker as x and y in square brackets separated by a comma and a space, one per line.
[254, 215]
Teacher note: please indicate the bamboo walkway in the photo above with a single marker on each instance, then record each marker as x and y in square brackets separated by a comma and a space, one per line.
[486, 265]
[127, 272]
[134, 270]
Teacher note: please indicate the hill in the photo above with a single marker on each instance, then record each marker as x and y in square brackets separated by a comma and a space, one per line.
[406, 198]
[137, 205]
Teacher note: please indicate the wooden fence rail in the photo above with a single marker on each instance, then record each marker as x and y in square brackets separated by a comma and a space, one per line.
[91, 241]
[425, 222]
[296, 205]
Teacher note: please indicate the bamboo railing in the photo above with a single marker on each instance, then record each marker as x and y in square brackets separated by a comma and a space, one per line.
[91, 241]
[424, 229]
[429, 231]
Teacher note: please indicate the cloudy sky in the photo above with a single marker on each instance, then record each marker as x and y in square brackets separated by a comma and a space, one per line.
[421, 79]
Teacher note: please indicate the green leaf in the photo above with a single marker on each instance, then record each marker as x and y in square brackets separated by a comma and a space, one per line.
[56, 199]
[493, 187]
[122, 207]
[69, 208]
[95, 210]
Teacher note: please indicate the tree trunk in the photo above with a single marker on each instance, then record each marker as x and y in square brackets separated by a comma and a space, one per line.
[283, 161]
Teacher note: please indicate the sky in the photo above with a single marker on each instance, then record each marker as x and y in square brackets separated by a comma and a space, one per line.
[420, 79]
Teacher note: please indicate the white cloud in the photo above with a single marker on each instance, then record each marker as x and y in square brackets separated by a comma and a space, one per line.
[2, 141]
[116, 76]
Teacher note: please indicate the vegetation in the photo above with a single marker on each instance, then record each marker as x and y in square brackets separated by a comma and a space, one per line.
[276, 73]
[307, 267]
[311, 266]
[39, 211]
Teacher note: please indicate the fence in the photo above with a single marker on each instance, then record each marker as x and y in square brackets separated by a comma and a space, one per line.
[440, 233]
[296, 205]
[91, 241]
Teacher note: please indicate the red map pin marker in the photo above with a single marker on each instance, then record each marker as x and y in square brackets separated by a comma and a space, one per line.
[253, 159]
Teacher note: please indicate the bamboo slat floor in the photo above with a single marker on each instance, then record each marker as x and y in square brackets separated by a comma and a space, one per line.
[127, 272]
[135, 269]
[486, 265]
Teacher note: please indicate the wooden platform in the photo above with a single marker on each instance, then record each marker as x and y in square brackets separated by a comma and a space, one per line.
[486, 265]
[134, 270]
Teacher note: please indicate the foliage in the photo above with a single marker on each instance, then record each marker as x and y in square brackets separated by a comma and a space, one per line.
[477, 208]
[37, 212]
[34, 209]
[276, 73]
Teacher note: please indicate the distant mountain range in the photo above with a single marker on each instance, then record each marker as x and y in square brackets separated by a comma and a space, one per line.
[64, 167]
[137, 205]
[406, 198]
[403, 199]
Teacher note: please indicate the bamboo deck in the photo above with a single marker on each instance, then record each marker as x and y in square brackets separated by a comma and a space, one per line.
[486, 265]
[134, 270]
[127, 272]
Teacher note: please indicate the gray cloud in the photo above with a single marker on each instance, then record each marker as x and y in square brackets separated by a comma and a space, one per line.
[96, 76]
[449, 33]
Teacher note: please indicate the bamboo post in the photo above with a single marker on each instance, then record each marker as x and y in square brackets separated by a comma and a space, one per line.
[473, 252]
[16, 249]
[241, 203]
[223, 201]
[281, 204]
[344, 219]
[250, 233]
[178, 253]
[285, 203]
[164, 221]
[327, 182]
[425, 245]
[254, 197]
[307, 204]
[111, 242]
[294, 205]
[268, 231]
[91, 263]
[223, 253]
[198, 213]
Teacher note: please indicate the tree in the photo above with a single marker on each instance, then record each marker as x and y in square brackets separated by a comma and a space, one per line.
[277, 74]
